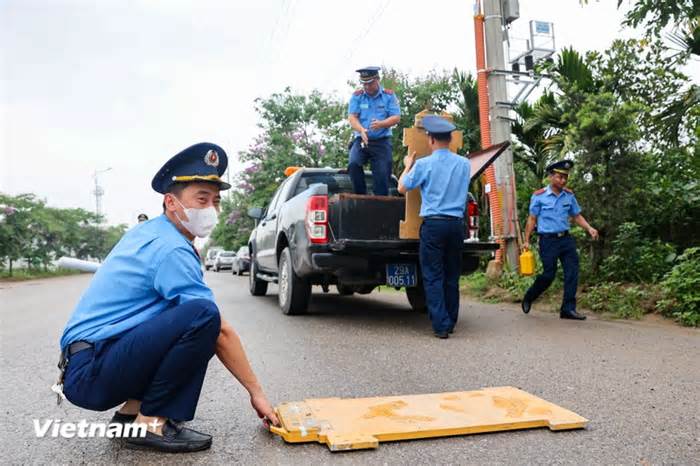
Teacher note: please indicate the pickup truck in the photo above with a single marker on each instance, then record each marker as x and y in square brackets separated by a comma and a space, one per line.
[314, 231]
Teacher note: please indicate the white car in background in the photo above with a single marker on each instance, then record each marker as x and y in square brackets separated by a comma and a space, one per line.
[224, 260]
[210, 257]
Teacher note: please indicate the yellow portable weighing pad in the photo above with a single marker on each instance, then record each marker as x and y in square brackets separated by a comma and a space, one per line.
[359, 423]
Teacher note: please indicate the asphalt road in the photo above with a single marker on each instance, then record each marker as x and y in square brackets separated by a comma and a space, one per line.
[638, 382]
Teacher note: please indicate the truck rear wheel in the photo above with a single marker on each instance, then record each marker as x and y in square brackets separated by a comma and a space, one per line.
[365, 289]
[344, 290]
[294, 291]
[416, 298]
[256, 286]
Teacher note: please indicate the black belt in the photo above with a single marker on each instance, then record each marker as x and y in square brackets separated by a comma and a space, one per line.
[70, 350]
[561, 234]
[441, 217]
[78, 346]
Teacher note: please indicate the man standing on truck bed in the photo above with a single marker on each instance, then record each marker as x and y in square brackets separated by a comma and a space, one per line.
[550, 209]
[372, 112]
[146, 327]
[443, 178]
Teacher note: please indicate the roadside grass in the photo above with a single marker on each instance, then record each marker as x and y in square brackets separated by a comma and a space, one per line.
[509, 288]
[611, 300]
[19, 275]
[389, 289]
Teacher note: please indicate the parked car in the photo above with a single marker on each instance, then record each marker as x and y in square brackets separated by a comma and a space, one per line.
[223, 260]
[210, 257]
[315, 232]
[241, 263]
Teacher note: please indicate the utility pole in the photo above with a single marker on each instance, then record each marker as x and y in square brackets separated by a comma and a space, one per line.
[499, 107]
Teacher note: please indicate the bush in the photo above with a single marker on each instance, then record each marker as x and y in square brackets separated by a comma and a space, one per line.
[681, 289]
[476, 283]
[637, 259]
[516, 284]
[510, 286]
[621, 301]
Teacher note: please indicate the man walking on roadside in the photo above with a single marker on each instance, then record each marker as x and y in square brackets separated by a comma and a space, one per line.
[550, 209]
[443, 178]
[145, 329]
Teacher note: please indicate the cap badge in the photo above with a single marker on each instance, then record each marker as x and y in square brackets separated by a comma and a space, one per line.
[212, 158]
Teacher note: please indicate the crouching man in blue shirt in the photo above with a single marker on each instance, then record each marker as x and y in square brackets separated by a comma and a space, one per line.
[145, 329]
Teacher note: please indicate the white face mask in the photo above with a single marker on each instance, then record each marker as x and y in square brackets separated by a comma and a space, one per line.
[201, 221]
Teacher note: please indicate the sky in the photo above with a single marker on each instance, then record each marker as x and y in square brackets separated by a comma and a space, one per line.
[124, 85]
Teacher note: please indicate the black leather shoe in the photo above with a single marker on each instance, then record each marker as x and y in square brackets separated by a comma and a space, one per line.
[573, 315]
[175, 439]
[526, 305]
[441, 335]
[120, 418]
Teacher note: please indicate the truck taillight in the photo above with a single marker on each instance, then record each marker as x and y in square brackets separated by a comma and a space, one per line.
[317, 219]
[472, 221]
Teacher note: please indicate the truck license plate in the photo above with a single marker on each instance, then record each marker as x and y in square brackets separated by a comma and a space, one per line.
[401, 275]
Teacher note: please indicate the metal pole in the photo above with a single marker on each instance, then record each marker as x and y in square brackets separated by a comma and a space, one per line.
[97, 195]
[500, 124]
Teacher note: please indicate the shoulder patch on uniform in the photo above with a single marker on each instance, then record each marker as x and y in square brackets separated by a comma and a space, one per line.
[568, 190]
[389, 91]
[539, 191]
[358, 92]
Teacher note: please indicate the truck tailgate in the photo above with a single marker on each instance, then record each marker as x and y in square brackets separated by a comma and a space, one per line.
[365, 217]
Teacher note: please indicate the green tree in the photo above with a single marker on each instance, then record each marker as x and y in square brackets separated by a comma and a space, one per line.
[679, 22]
[296, 130]
[453, 92]
[603, 111]
[31, 230]
[14, 221]
[467, 110]
[312, 131]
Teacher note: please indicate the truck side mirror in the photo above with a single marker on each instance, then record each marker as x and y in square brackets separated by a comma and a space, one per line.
[255, 212]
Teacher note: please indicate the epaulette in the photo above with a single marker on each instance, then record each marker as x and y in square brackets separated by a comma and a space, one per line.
[539, 191]
[358, 92]
[568, 190]
[389, 91]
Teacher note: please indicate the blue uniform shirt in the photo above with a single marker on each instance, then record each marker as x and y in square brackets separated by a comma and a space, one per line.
[152, 268]
[378, 107]
[553, 211]
[443, 178]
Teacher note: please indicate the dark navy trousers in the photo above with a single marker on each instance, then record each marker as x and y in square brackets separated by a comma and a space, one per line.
[378, 153]
[161, 362]
[551, 250]
[441, 243]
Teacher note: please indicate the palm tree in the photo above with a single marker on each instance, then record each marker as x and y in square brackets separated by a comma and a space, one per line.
[547, 119]
[467, 114]
[684, 17]
[531, 133]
